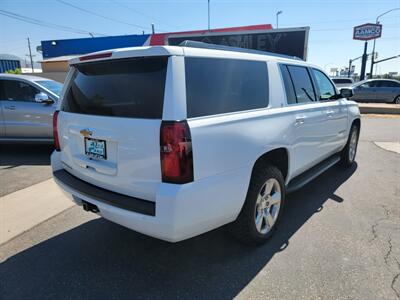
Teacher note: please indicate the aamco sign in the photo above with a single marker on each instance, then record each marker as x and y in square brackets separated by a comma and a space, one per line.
[367, 32]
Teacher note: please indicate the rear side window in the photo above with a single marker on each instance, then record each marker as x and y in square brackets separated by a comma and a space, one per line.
[132, 88]
[290, 94]
[302, 84]
[386, 83]
[216, 86]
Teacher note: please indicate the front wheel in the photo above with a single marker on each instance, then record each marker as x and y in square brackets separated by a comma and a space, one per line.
[397, 100]
[350, 150]
[263, 207]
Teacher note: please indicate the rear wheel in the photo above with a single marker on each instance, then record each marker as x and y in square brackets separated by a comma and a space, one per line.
[263, 207]
[350, 150]
[397, 100]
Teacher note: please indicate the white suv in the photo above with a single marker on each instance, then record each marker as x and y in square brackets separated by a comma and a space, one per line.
[175, 141]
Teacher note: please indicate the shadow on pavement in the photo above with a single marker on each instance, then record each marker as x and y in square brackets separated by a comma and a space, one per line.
[12, 155]
[101, 260]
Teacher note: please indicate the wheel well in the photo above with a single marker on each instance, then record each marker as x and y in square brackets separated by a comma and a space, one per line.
[278, 157]
[357, 122]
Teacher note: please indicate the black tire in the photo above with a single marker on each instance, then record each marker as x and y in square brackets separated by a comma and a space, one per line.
[397, 100]
[348, 159]
[244, 228]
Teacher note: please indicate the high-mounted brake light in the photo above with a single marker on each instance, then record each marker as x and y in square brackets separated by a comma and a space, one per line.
[55, 131]
[176, 152]
[95, 56]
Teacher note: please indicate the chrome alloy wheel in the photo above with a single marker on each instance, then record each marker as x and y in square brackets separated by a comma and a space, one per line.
[397, 100]
[267, 205]
[353, 145]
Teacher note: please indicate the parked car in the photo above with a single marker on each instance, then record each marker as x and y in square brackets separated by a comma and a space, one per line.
[27, 104]
[377, 90]
[175, 141]
[343, 82]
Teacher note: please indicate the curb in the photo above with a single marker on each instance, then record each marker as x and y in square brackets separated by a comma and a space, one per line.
[373, 108]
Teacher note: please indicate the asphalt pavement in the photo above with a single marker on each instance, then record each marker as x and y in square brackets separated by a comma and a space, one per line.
[22, 165]
[339, 239]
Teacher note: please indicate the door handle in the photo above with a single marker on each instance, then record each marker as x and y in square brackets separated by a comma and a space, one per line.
[300, 120]
[11, 107]
[330, 113]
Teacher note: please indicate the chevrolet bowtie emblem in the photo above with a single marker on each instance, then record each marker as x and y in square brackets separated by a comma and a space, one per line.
[86, 132]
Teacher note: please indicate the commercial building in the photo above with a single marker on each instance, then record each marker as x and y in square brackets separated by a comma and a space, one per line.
[56, 53]
[9, 62]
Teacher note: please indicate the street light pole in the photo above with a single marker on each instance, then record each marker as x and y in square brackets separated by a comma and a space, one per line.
[208, 3]
[373, 47]
[277, 18]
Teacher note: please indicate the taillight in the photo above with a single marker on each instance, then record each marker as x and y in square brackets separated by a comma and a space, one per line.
[55, 131]
[176, 152]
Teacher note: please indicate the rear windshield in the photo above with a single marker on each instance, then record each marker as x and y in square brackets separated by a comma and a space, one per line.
[341, 80]
[131, 88]
[217, 85]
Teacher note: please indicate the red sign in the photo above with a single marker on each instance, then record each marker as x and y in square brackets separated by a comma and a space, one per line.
[367, 32]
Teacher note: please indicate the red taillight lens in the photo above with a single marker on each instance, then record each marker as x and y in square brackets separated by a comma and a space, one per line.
[176, 152]
[55, 131]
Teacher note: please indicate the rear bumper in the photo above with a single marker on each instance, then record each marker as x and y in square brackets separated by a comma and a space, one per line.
[181, 211]
[104, 196]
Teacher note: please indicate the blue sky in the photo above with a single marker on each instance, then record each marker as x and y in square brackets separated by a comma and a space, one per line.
[331, 22]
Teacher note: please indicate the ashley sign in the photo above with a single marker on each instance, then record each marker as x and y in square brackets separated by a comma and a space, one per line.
[367, 32]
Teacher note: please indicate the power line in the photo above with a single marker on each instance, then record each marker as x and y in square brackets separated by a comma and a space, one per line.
[99, 15]
[140, 13]
[44, 24]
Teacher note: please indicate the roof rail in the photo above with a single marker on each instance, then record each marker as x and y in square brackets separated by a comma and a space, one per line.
[202, 45]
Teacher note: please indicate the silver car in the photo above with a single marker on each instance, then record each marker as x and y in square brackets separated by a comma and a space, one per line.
[377, 90]
[27, 104]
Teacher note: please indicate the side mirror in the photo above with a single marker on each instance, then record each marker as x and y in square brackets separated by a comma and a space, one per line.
[43, 98]
[346, 93]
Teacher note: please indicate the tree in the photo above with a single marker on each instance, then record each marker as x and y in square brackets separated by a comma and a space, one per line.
[16, 71]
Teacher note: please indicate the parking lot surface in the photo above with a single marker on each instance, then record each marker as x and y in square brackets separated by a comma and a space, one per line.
[339, 239]
[23, 165]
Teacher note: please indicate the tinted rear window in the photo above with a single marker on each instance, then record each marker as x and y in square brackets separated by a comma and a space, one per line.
[341, 80]
[131, 88]
[216, 86]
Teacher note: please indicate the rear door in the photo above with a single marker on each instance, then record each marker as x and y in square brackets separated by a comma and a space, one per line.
[109, 124]
[309, 122]
[387, 90]
[23, 117]
[335, 110]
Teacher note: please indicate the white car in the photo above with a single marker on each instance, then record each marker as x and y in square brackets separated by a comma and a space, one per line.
[175, 141]
[343, 82]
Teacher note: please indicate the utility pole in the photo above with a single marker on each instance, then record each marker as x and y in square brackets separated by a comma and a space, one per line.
[208, 3]
[152, 28]
[30, 54]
